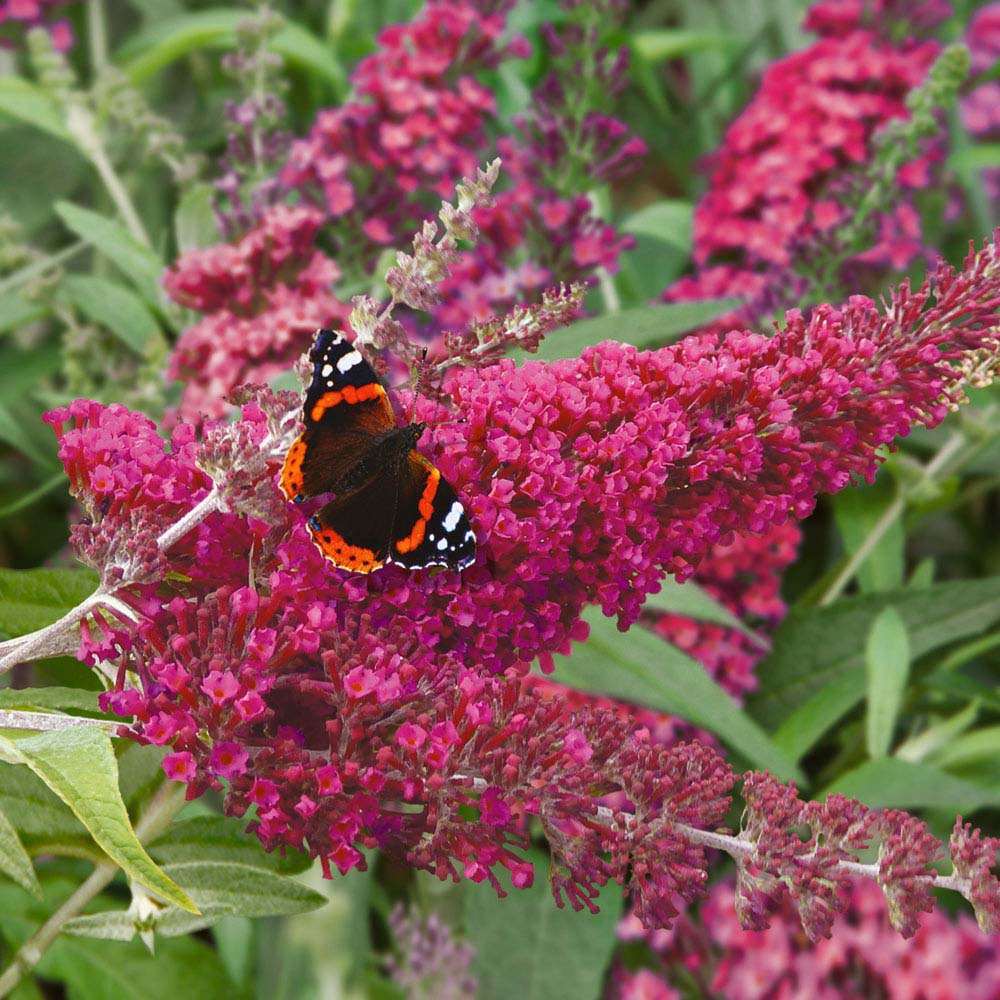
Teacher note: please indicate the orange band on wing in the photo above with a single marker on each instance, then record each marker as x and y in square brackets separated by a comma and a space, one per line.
[346, 395]
[343, 555]
[291, 472]
[426, 507]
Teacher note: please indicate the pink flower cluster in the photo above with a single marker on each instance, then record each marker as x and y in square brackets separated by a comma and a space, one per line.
[129, 487]
[360, 711]
[341, 735]
[21, 14]
[370, 172]
[263, 296]
[416, 123]
[863, 958]
[777, 181]
[981, 107]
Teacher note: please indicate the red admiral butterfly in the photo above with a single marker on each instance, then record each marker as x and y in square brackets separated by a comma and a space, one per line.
[391, 505]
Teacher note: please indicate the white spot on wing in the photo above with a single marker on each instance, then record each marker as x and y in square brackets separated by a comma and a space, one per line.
[348, 361]
[443, 544]
[327, 371]
[454, 516]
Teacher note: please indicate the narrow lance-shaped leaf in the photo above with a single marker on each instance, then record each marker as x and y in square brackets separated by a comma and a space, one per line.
[219, 889]
[887, 664]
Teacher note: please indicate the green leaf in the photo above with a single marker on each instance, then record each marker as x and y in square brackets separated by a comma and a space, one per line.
[51, 699]
[172, 38]
[29, 103]
[858, 510]
[43, 170]
[301, 48]
[17, 311]
[43, 821]
[194, 221]
[550, 954]
[21, 371]
[24, 432]
[975, 157]
[890, 783]
[110, 970]
[113, 307]
[138, 263]
[659, 44]
[30, 599]
[929, 743]
[79, 765]
[970, 748]
[644, 327]
[667, 220]
[644, 669]
[692, 601]
[887, 664]
[32, 496]
[816, 670]
[15, 862]
[219, 889]
[330, 946]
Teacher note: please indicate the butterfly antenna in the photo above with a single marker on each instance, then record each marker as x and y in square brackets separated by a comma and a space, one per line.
[420, 380]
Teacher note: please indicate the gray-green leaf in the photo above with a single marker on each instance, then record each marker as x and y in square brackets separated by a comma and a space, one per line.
[887, 665]
[79, 765]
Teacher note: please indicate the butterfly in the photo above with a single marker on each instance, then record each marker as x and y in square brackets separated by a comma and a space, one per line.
[390, 504]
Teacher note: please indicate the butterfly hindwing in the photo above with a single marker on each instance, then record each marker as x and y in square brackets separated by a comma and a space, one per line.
[431, 527]
[354, 532]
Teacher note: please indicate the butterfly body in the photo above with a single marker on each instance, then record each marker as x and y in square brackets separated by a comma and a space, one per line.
[390, 504]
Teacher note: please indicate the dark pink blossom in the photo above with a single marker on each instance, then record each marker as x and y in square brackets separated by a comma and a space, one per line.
[947, 958]
[787, 161]
[586, 480]
[263, 297]
[180, 767]
[378, 164]
[18, 15]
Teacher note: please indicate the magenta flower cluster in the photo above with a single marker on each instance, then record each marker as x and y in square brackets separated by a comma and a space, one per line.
[369, 172]
[263, 297]
[777, 181]
[863, 958]
[342, 712]
[379, 164]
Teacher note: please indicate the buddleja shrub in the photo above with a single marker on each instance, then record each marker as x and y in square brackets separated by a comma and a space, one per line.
[391, 721]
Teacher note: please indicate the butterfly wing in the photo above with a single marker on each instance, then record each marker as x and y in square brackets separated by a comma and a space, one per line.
[430, 527]
[354, 532]
[345, 408]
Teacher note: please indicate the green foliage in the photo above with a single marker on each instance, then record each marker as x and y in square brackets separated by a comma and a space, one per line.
[32, 599]
[79, 766]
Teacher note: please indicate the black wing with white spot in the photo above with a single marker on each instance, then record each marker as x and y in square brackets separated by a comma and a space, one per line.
[346, 409]
[431, 527]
